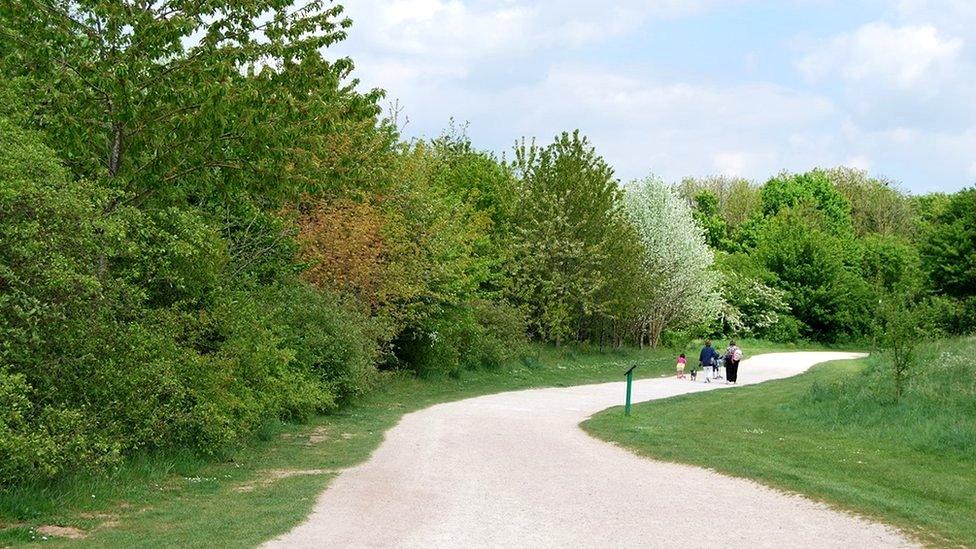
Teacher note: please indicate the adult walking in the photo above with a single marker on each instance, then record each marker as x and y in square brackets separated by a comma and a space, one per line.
[732, 357]
[707, 359]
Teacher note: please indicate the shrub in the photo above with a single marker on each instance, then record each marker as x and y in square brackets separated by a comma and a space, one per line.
[332, 340]
[122, 330]
[284, 351]
[39, 442]
[478, 334]
[954, 316]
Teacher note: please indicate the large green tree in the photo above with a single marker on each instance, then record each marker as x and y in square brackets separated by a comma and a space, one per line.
[707, 214]
[949, 248]
[738, 198]
[878, 206]
[149, 296]
[185, 100]
[814, 189]
[565, 224]
[813, 265]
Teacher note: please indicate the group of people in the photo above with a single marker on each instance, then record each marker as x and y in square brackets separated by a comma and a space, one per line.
[708, 362]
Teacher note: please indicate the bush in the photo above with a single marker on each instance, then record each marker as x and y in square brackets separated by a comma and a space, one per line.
[284, 351]
[954, 316]
[785, 330]
[39, 442]
[332, 340]
[122, 330]
[949, 248]
[478, 334]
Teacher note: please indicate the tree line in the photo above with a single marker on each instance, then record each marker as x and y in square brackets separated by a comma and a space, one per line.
[206, 225]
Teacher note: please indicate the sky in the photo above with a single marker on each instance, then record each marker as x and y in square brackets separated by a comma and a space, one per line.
[689, 87]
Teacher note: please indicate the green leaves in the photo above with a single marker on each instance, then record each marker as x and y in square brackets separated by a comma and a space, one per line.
[813, 189]
[188, 100]
[566, 222]
[949, 248]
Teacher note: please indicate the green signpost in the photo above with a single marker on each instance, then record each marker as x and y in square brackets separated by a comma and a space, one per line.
[630, 382]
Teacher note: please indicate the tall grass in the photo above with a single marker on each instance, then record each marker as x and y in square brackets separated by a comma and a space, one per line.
[936, 415]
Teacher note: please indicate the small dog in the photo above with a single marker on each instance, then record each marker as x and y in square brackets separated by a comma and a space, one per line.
[694, 373]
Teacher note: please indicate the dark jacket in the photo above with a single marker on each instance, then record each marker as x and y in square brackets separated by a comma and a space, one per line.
[708, 353]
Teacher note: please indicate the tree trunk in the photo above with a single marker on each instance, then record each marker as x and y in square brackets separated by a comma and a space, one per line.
[115, 150]
[114, 164]
[655, 338]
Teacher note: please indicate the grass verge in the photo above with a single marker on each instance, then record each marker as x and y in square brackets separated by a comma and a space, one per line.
[254, 493]
[835, 434]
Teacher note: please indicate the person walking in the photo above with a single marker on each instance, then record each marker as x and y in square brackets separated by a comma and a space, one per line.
[732, 357]
[707, 359]
[680, 366]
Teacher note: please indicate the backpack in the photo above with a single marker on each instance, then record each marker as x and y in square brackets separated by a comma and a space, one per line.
[737, 354]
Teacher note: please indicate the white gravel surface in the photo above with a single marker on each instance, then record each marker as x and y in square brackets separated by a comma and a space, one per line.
[515, 470]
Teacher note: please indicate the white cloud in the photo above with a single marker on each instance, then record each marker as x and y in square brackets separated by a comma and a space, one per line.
[907, 77]
[956, 16]
[440, 28]
[731, 163]
[639, 123]
[860, 162]
[893, 96]
[476, 29]
[642, 99]
[452, 29]
[944, 156]
[905, 57]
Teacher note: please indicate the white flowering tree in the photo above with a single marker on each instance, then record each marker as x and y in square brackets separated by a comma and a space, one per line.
[680, 287]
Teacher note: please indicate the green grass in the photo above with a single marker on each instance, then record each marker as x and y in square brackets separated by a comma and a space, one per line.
[835, 434]
[185, 500]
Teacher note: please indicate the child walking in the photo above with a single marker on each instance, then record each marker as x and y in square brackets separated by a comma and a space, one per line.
[680, 366]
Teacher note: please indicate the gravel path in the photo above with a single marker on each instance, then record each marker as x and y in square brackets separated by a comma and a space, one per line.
[514, 470]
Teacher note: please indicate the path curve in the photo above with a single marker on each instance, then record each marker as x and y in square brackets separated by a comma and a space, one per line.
[515, 470]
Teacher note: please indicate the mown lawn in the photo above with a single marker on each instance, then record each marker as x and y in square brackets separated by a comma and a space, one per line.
[253, 493]
[835, 434]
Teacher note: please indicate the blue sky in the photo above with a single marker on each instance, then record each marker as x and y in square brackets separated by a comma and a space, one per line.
[690, 87]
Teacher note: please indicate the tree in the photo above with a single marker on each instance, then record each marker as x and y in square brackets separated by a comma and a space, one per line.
[878, 206]
[148, 295]
[343, 243]
[927, 209]
[185, 100]
[753, 305]
[949, 248]
[813, 188]
[486, 189]
[707, 215]
[814, 266]
[902, 317]
[622, 293]
[887, 261]
[738, 199]
[563, 231]
[680, 287]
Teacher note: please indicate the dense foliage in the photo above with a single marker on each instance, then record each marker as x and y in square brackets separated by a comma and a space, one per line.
[678, 288]
[207, 226]
[566, 223]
